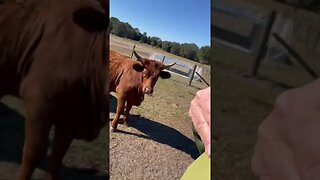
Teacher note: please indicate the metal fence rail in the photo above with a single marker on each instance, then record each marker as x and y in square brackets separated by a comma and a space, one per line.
[180, 68]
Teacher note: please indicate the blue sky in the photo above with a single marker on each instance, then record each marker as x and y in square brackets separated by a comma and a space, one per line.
[183, 21]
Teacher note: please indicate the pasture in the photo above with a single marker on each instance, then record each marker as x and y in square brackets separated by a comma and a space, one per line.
[125, 46]
[241, 103]
[158, 142]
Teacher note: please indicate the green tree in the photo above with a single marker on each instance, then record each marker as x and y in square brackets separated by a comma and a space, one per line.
[119, 29]
[138, 35]
[166, 45]
[203, 55]
[175, 48]
[159, 43]
[144, 38]
[189, 51]
[148, 40]
[129, 31]
[155, 41]
[186, 50]
[113, 22]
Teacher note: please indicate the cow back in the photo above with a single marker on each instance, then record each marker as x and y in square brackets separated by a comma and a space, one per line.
[122, 75]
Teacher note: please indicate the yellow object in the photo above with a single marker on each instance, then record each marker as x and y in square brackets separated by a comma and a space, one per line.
[198, 169]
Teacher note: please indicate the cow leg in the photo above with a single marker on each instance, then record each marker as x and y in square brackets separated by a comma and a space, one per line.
[120, 108]
[61, 143]
[36, 139]
[126, 115]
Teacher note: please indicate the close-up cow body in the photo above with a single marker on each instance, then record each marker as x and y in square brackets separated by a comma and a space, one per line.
[131, 80]
[53, 56]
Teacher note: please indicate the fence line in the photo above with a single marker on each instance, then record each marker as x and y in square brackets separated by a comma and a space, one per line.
[296, 56]
[203, 79]
[134, 47]
[191, 72]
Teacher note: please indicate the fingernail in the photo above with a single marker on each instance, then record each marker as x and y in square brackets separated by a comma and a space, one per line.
[208, 149]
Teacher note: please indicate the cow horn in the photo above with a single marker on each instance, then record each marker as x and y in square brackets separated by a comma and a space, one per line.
[168, 66]
[137, 56]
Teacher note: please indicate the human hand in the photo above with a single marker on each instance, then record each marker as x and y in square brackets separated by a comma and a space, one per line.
[199, 113]
[288, 143]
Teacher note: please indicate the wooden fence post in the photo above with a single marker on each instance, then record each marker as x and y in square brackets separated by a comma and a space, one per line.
[203, 79]
[163, 59]
[192, 75]
[262, 48]
[296, 56]
[134, 46]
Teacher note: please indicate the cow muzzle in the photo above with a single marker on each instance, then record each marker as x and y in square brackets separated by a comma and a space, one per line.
[148, 90]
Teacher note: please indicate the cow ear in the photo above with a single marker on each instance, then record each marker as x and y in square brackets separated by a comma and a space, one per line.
[165, 75]
[138, 67]
[90, 19]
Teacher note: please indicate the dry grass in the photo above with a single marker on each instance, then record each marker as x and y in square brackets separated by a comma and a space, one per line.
[240, 104]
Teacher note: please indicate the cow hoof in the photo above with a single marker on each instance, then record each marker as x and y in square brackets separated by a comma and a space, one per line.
[113, 129]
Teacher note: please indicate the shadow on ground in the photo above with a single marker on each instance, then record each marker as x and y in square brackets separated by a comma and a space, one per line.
[161, 133]
[71, 173]
[11, 145]
[112, 104]
[11, 134]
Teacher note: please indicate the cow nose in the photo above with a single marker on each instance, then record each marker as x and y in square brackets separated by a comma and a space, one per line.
[148, 90]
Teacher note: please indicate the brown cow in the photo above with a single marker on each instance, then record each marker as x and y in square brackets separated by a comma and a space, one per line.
[131, 80]
[53, 56]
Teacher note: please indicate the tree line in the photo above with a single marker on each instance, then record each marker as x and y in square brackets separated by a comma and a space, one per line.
[186, 50]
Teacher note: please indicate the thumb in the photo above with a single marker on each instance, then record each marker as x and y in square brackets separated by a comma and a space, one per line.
[204, 131]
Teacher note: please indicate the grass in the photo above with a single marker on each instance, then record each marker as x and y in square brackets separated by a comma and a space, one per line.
[240, 104]
[238, 108]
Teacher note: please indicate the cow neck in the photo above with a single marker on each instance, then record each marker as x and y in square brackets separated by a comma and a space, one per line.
[95, 83]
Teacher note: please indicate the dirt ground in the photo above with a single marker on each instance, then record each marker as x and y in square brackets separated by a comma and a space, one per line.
[83, 161]
[240, 104]
[158, 142]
